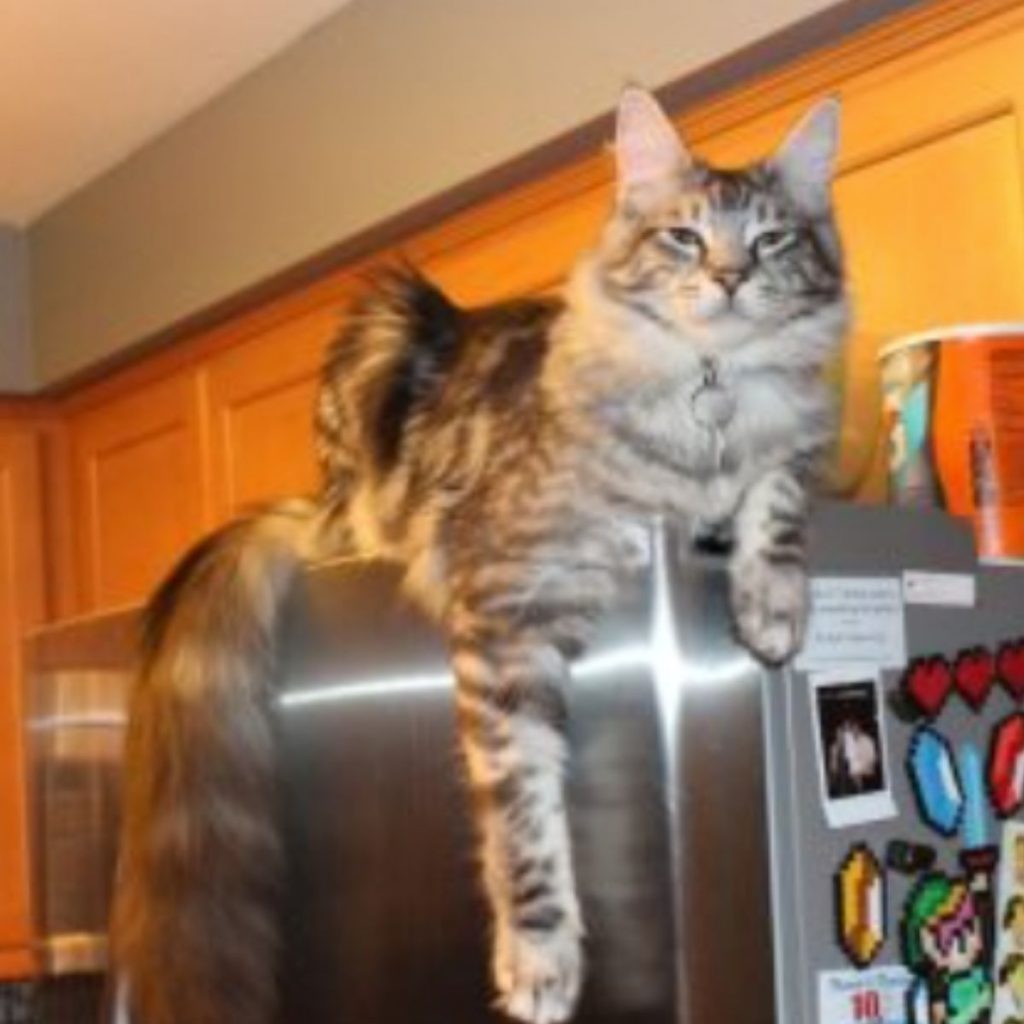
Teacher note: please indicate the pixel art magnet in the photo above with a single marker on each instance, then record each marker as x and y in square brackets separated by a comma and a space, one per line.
[945, 935]
[859, 889]
[935, 781]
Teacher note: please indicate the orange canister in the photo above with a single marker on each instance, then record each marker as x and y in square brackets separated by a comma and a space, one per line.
[953, 404]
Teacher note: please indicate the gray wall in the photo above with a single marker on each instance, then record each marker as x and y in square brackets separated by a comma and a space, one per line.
[16, 370]
[386, 104]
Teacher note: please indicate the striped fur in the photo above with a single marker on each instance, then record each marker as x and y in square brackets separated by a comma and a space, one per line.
[195, 912]
[510, 458]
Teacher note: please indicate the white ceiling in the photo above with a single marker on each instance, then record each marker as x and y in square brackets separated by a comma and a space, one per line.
[83, 83]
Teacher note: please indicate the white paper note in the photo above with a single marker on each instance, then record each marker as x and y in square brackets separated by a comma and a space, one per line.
[854, 620]
[952, 589]
[874, 996]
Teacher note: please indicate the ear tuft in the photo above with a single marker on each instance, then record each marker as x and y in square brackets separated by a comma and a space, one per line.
[647, 146]
[806, 159]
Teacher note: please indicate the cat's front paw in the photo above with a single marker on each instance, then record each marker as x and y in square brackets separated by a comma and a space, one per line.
[538, 976]
[769, 604]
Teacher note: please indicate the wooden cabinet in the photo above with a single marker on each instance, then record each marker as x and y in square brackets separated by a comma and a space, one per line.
[931, 207]
[929, 194]
[260, 413]
[930, 197]
[140, 487]
[22, 606]
[531, 252]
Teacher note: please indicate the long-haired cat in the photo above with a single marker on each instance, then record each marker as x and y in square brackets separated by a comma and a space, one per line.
[509, 457]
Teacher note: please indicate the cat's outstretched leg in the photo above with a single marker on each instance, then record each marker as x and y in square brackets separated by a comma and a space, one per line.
[511, 715]
[768, 567]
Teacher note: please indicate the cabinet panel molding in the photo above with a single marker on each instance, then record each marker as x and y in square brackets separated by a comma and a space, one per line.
[138, 476]
[260, 413]
[22, 606]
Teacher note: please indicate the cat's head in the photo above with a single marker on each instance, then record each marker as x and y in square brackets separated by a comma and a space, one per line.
[725, 256]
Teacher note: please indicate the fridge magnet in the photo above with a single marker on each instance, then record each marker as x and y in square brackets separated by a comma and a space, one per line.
[974, 672]
[979, 865]
[1009, 1000]
[853, 769]
[1006, 765]
[974, 827]
[859, 891]
[907, 858]
[876, 995]
[1010, 668]
[926, 684]
[1013, 922]
[1013, 855]
[1011, 981]
[935, 781]
[943, 931]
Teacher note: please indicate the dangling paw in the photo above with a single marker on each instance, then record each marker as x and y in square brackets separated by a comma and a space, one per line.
[769, 603]
[538, 976]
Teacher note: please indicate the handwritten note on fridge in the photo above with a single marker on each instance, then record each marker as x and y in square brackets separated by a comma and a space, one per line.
[854, 619]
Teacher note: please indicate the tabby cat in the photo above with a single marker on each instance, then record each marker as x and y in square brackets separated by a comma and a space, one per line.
[509, 458]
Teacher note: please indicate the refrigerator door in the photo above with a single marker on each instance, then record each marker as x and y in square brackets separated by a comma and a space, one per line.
[873, 543]
[385, 922]
[667, 803]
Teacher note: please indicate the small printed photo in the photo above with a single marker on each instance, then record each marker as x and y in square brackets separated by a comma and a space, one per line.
[850, 739]
[850, 742]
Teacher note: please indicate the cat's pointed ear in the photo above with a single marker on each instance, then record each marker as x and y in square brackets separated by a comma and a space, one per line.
[648, 149]
[806, 159]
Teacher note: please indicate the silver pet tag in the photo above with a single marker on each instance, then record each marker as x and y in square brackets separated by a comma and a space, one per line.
[713, 406]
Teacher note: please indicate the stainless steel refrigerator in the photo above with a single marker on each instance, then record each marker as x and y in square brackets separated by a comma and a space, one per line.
[705, 859]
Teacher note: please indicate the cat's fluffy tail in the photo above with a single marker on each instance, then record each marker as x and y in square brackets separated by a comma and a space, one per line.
[194, 927]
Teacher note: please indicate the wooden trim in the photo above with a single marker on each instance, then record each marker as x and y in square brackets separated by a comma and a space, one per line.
[545, 176]
[42, 420]
[23, 499]
[27, 408]
[897, 37]
[108, 640]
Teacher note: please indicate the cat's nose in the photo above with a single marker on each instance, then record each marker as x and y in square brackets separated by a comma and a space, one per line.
[730, 278]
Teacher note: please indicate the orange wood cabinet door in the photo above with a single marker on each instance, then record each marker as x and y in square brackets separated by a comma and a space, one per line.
[930, 196]
[531, 252]
[260, 412]
[22, 600]
[140, 488]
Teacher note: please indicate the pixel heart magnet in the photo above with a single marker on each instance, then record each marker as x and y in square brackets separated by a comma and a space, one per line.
[927, 683]
[1010, 668]
[974, 672]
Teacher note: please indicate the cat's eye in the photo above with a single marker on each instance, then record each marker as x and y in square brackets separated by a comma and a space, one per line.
[768, 243]
[685, 239]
